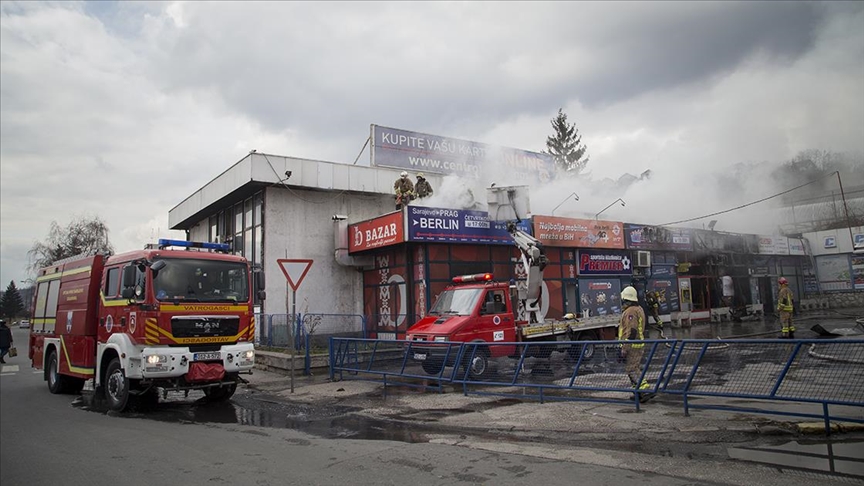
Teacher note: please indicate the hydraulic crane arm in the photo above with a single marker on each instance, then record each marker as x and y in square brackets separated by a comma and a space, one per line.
[534, 260]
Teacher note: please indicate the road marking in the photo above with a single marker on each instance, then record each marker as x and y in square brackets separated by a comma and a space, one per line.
[9, 368]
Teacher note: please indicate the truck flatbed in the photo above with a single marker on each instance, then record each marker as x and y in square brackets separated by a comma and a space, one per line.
[555, 328]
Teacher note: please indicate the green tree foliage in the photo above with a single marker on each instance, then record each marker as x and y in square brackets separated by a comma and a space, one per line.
[566, 147]
[11, 304]
[83, 236]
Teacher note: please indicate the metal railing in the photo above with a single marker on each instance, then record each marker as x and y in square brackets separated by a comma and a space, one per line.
[782, 377]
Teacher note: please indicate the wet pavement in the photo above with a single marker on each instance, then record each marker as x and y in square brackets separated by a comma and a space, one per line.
[365, 410]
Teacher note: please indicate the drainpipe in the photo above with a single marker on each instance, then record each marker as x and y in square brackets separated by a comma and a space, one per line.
[340, 239]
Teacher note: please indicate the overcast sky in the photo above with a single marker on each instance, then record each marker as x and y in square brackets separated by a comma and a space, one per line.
[121, 110]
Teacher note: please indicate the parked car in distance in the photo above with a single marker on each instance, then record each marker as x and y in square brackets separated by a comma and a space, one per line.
[24, 323]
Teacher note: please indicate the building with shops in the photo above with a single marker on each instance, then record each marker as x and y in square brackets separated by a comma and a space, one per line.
[329, 241]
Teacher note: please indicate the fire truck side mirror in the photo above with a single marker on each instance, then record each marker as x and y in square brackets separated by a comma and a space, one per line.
[129, 275]
[259, 284]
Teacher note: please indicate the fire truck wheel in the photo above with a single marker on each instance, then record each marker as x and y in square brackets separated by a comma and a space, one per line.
[116, 386]
[220, 393]
[58, 383]
[587, 350]
[477, 366]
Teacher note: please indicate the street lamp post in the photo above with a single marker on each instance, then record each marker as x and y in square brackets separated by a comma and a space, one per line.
[596, 216]
[574, 195]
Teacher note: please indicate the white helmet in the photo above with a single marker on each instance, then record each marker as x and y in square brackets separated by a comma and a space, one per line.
[629, 293]
[404, 174]
[420, 175]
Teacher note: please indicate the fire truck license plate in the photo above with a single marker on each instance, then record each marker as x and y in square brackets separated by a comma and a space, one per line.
[420, 356]
[205, 356]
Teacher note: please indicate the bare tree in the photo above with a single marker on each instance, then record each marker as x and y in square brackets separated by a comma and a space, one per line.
[83, 236]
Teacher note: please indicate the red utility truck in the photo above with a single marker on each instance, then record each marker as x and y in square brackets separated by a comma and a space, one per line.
[476, 308]
[173, 317]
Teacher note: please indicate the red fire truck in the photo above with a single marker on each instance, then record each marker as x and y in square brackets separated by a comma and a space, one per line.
[176, 316]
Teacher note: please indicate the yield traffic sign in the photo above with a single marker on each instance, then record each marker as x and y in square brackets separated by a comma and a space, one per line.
[294, 270]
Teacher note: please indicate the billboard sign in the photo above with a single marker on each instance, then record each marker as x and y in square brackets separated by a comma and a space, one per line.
[600, 297]
[414, 151]
[773, 245]
[376, 233]
[458, 226]
[641, 237]
[796, 246]
[580, 233]
[668, 290]
[597, 262]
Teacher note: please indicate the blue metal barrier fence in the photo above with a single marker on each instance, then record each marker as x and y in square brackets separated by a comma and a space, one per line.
[784, 377]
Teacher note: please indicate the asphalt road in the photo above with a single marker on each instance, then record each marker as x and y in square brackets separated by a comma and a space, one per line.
[44, 439]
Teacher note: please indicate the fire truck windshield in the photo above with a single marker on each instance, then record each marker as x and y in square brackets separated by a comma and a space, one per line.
[456, 302]
[201, 281]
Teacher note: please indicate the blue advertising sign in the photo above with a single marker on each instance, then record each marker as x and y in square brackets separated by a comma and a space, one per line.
[605, 262]
[668, 290]
[600, 296]
[642, 237]
[458, 226]
[660, 271]
[415, 151]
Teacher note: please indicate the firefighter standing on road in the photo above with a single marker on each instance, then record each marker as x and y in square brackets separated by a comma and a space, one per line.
[422, 188]
[632, 328]
[404, 189]
[785, 308]
[654, 309]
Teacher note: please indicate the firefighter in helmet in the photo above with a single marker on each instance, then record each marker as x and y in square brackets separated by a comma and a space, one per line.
[422, 188]
[404, 189]
[632, 328]
[785, 308]
[653, 303]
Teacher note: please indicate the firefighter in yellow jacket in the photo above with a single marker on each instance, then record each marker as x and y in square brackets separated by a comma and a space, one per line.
[404, 190]
[785, 308]
[632, 328]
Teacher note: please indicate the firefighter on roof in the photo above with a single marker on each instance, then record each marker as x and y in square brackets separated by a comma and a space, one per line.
[632, 328]
[422, 188]
[404, 189]
[785, 308]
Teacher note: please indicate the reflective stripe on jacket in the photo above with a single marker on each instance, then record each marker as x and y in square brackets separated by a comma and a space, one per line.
[632, 325]
[784, 300]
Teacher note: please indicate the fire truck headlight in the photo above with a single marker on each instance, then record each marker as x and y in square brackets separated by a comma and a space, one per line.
[155, 358]
[440, 338]
[246, 355]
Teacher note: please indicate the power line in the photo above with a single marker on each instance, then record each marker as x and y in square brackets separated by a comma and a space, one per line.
[751, 203]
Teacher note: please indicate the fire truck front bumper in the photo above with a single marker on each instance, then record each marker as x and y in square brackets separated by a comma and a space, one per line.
[175, 362]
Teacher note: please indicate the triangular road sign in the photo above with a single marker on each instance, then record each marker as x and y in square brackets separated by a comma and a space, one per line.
[294, 270]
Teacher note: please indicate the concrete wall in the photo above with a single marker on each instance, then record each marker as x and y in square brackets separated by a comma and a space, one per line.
[833, 300]
[298, 225]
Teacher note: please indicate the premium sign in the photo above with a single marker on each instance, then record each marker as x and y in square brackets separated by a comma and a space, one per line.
[415, 151]
[580, 233]
[457, 226]
[592, 262]
[383, 231]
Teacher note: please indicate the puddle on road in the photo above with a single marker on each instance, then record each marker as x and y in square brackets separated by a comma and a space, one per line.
[333, 422]
[842, 458]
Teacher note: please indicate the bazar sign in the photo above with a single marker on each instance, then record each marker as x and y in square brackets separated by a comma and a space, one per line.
[580, 233]
[458, 226]
[593, 262]
[422, 152]
[641, 237]
[383, 231]
[773, 245]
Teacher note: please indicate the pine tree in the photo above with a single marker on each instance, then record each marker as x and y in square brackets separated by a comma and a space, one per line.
[566, 147]
[11, 305]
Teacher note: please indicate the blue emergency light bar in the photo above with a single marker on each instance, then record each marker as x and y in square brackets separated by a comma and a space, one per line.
[194, 244]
